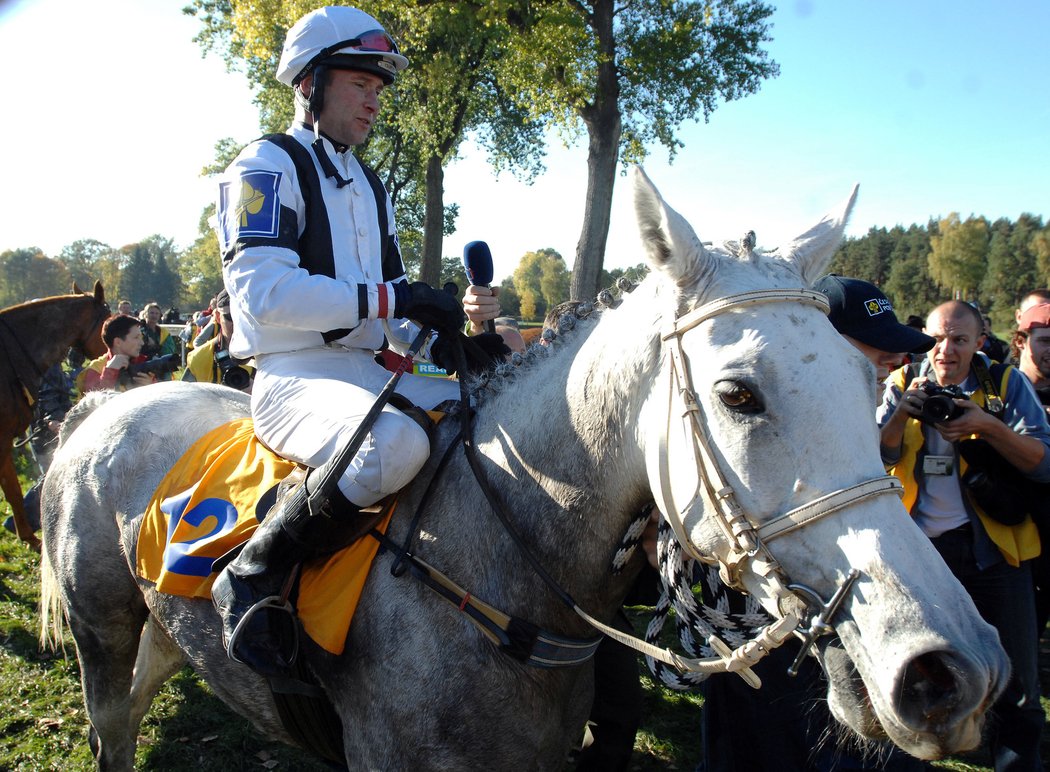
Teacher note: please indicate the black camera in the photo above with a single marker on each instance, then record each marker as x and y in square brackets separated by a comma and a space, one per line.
[939, 406]
[231, 370]
[157, 366]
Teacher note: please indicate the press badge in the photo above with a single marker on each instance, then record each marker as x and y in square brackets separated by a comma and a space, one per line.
[938, 465]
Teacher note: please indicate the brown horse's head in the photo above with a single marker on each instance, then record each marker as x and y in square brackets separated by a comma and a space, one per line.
[89, 337]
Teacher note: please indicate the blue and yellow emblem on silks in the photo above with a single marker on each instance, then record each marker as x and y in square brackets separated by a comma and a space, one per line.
[250, 207]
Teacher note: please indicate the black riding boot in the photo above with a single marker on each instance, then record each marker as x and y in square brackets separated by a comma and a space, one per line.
[288, 536]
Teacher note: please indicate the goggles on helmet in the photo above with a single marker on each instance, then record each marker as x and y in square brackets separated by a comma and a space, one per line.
[375, 41]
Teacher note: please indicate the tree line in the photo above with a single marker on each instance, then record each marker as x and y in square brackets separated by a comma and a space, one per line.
[154, 270]
[993, 264]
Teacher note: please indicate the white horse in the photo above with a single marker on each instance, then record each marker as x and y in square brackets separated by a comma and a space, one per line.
[732, 408]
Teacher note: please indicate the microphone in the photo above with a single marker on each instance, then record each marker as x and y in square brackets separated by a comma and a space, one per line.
[477, 262]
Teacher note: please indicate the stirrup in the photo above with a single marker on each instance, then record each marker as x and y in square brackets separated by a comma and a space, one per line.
[275, 603]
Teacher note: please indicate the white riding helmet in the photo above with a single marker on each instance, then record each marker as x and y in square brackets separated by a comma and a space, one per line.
[340, 37]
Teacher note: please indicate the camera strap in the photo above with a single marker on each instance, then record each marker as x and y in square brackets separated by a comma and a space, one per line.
[993, 402]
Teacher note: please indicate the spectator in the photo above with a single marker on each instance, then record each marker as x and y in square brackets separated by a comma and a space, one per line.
[511, 337]
[994, 348]
[315, 290]
[122, 335]
[156, 341]
[797, 726]
[212, 362]
[1032, 346]
[124, 307]
[990, 558]
[1034, 298]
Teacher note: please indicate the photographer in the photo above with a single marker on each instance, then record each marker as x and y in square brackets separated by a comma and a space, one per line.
[211, 362]
[988, 556]
[122, 335]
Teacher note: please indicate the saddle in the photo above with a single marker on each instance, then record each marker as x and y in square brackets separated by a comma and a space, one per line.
[210, 503]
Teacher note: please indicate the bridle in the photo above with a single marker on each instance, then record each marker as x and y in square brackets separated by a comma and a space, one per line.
[798, 605]
[748, 541]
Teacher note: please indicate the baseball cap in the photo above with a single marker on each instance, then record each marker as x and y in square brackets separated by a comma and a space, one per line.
[860, 309]
[1036, 316]
[222, 299]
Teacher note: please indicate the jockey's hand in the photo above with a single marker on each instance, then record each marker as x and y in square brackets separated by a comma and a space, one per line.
[481, 305]
[430, 307]
[143, 379]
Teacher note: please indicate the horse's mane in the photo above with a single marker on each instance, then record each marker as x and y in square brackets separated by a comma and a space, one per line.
[568, 320]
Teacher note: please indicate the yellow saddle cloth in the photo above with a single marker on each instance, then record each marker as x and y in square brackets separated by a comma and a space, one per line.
[211, 501]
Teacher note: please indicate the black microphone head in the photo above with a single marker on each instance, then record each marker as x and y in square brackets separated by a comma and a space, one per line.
[477, 261]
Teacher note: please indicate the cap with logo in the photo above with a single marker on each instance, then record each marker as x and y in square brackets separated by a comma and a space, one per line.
[860, 310]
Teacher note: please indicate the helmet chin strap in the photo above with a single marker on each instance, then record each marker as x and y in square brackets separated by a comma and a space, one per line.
[313, 105]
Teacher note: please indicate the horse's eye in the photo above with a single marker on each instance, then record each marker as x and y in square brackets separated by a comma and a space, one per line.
[738, 398]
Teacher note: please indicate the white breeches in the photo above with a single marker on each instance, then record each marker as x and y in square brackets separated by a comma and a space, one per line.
[308, 404]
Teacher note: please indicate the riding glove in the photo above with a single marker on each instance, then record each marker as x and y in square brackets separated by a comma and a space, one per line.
[429, 307]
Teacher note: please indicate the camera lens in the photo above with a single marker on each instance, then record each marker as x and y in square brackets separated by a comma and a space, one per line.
[236, 378]
[939, 408]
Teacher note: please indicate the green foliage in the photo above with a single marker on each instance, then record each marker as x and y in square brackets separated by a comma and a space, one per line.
[958, 255]
[26, 274]
[922, 266]
[149, 274]
[541, 281]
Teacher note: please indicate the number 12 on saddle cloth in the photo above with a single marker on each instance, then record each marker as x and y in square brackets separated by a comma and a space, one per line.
[211, 501]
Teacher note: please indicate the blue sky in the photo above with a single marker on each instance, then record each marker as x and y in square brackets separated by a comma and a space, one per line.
[933, 106]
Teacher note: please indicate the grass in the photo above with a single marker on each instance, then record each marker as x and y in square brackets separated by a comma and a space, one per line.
[43, 725]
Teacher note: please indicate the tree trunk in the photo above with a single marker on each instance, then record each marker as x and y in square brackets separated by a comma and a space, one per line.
[433, 223]
[604, 127]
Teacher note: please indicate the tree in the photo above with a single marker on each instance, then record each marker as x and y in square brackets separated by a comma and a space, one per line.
[84, 259]
[909, 285]
[541, 281]
[1011, 270]
[958, 255]
[447, 93]
[147, 274]
[630, 73]
[865, 258]
[26, 274]
[1040, 246]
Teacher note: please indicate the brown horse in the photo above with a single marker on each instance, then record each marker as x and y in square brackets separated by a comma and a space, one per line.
[33, 337]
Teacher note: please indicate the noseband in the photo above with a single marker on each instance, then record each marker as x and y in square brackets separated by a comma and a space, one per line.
[747, 539]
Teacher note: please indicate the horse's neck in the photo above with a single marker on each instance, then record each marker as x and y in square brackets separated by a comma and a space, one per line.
[37, 336]
[555, 448]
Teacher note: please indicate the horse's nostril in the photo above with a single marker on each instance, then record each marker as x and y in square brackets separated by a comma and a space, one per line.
[930, 690]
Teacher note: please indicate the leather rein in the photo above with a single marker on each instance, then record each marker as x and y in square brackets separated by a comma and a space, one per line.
[802, 610]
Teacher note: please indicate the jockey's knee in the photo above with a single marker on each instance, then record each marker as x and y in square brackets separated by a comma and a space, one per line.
[394, 453]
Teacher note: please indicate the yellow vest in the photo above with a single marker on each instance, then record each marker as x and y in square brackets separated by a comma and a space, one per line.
[200, 364]
[1015, 542]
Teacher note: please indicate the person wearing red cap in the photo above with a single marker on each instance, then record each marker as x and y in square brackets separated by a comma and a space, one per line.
[1032, 342]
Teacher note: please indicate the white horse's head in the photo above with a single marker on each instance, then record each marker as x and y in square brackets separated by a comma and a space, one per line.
[784, 417]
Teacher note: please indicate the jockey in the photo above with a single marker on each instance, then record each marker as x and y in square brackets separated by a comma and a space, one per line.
[317, 285]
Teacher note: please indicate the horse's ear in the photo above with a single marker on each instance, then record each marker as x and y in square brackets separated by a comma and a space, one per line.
[77, 290]
[670, 241]
[100, 295]
[812, 251]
